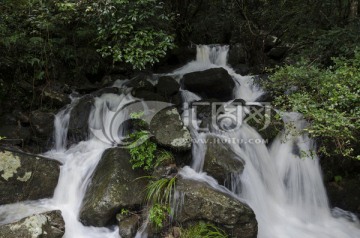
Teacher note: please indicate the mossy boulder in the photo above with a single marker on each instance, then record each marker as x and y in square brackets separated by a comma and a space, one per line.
[26, 176]
[202, 202]
[169, 130]
[44, 225]
[114, 185]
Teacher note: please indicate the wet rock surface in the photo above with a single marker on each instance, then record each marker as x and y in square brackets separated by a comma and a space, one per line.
[26, 177]
[202, 202]
[220, 161]
[44, 225]
[79, 116]
[211, 83]
[114, 185]
[128, 225]
[169, 130]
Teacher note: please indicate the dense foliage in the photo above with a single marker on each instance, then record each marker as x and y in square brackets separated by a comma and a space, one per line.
[329, 98]
[43, 41]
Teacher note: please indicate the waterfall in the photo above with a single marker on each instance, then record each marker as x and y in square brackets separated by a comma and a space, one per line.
[282, 183]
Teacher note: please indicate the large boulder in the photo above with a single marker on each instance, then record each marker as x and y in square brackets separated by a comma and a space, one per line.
[169, 130]
[44, 225]
[211, 83]
[220, 161]
[79, 116]
[26, 177]
[114, 185]
[202, 202]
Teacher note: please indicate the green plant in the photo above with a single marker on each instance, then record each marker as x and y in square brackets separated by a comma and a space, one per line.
[328, 98]
[203, 230]
[161, 191]
[142, 151]
[124, 211]
[164, 157]
[136, 115]
[158, 214]
[128, 33]
[338, 178]
[159, 194]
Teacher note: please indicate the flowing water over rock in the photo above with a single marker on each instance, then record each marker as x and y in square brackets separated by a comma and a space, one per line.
[282, 184]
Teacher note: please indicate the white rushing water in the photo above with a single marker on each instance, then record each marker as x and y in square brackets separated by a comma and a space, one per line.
[282, 184]
[284, 189]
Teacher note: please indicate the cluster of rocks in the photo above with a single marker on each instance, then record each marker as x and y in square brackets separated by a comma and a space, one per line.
[115, 185]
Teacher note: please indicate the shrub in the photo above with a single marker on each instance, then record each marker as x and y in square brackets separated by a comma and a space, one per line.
[328, 98]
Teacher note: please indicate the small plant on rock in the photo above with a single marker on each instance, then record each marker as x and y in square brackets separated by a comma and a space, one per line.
[159, 195]
[143, 151]
[203, 230]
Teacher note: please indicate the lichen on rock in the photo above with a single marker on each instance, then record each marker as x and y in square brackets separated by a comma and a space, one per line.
[25, 178]
[32, 224]
[9, 163]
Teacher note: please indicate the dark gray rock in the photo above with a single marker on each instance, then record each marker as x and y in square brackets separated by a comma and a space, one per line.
[211, 83]
[114, 185]
[79, 116]
[167, 86]
[128, 225]
[202, 202]
[26, 177]
[141, 81]
[43, 225]
[177, 99]
[220, 161]
[148, 95]
[169, 130]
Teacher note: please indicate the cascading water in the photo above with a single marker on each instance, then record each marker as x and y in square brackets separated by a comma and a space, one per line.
[283, 183]
[284, 189]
